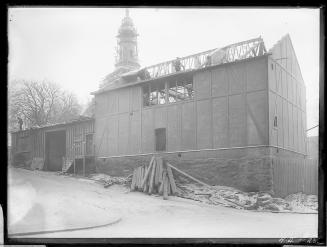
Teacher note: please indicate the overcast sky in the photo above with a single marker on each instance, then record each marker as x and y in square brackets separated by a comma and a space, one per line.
[74, 47]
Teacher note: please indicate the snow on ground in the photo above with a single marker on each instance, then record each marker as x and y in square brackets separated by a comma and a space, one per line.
[46, 200]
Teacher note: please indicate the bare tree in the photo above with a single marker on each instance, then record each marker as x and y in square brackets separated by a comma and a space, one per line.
[90, 108]
[40, 103]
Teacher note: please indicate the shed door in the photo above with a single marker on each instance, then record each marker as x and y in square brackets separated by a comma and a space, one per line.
[55, 150]
[160, 135]
[89, 144]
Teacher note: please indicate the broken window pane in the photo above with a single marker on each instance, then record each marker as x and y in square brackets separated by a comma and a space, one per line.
[146, 90]
[153, 95]
[189, 92]
[180, 91]
[168, 92]
[172, 92]
[162, 93]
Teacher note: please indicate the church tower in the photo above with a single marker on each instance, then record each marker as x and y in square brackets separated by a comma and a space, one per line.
[126, 50]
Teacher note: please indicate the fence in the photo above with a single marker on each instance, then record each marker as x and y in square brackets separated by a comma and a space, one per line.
[292, 176]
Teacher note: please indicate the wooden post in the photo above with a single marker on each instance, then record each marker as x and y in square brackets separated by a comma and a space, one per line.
[74, 157]
[165, 185]
[186, 175]
[148, 171]
[84, 166]
[152, 176]
[84, 153]
[171, 180]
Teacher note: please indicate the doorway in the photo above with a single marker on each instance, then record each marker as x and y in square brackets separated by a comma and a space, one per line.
[160, 139]
[55, 150]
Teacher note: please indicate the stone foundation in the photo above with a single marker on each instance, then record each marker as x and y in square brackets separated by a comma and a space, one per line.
[247, 169]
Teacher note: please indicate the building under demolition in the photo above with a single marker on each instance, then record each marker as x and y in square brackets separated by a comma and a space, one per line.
[221, 115]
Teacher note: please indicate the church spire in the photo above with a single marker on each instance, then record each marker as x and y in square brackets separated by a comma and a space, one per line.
[127, 53]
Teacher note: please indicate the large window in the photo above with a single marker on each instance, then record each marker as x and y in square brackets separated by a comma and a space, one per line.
[167, 92]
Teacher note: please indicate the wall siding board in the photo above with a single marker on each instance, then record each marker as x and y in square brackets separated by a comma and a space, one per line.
[204, 131]
[188, 126]
[256, 75]
[237, 119]
[272, 75]
[219, 82]
[147, 130]
[292, 176]
[272, 114]
[174, 128]
[295, 127]
[136, 98]
[280, 122]
[160, 117]
[220, 122]
[237, 78]
[123, 100]
[135, 132]
[202, 83]
[257, 111]
[123, 123]
[285, 123]
[291, 126]
[112, 102]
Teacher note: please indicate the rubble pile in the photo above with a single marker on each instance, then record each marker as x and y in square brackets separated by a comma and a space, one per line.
[303, 202]
[259, 201]
[107, 180]
[160, 177]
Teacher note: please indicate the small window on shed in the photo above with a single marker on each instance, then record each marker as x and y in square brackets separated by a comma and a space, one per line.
[275, 121]
[189, 91]
[161, 93]
[153, 95]
[172, 92]
[160, 135]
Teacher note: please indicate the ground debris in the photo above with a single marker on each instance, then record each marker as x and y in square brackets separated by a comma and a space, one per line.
[259, 201]
[108, 180]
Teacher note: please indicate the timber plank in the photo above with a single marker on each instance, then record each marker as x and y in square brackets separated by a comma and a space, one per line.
[165, 186]
[171, 180]
[148, 171]
[133, 181]
[152, 177]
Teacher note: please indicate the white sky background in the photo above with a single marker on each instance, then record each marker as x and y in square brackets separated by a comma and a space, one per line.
[74, 47]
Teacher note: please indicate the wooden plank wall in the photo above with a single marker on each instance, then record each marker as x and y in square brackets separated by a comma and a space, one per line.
[35, 142]
[230, 109]
[286, 98]
[292, 176]
[76, 134]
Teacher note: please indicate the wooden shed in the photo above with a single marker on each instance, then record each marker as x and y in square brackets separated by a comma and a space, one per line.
[55, 147]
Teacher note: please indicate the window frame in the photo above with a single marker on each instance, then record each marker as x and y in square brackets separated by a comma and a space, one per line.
[167, 84]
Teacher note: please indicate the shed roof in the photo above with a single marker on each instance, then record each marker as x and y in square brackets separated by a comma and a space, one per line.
[80, 119]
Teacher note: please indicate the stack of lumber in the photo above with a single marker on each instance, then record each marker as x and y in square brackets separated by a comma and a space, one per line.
[156, 178]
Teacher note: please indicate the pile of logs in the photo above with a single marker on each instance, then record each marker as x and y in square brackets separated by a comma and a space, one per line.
[156, 178]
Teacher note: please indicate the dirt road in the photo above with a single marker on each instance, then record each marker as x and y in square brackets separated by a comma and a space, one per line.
[43, 200]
